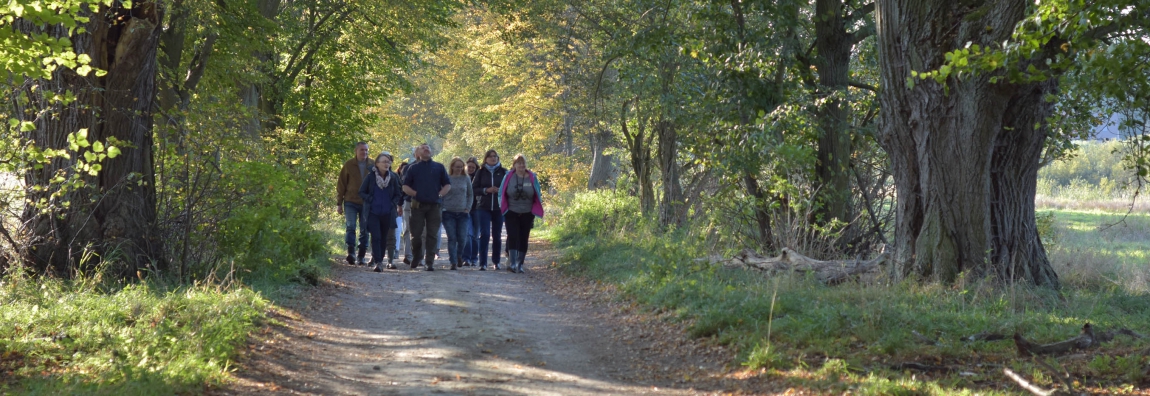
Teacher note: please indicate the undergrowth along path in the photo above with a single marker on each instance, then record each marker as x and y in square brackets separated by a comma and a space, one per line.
[469, 332]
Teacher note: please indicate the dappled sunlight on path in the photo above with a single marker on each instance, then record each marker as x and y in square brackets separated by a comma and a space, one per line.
[448, 332]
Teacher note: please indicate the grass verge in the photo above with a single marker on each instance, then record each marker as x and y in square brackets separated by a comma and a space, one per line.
[855, 337]
[70, 338]
[84, 336]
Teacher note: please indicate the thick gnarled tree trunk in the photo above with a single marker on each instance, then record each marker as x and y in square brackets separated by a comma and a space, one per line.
[965, 154]
[114, 216]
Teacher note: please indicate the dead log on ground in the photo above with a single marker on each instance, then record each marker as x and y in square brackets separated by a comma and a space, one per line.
[827, 271]
[1086, 339]
[985, 336]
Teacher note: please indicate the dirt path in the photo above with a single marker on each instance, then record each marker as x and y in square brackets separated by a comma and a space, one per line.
[455, 332]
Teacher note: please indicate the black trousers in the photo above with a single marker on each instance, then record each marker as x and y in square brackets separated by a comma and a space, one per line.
[425, 217]
[382, 229]
[519, 227]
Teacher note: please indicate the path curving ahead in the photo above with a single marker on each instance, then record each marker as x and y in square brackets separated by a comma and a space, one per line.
[412, 332]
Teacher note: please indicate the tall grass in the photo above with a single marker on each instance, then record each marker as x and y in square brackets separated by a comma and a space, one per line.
[91, 335]
[1100, 249]
[824, 336]
[82, 337]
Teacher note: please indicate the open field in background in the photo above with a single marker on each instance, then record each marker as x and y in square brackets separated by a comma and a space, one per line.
[1100, 247]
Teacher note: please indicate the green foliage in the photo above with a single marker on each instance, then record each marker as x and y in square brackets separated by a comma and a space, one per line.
[270, 230]
[36, 53]
[1095, 163]
[867, 327]
[1045, 224]
[82, 337]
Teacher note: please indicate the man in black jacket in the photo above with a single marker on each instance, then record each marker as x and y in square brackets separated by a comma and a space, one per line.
[425, 182]
[486, 185]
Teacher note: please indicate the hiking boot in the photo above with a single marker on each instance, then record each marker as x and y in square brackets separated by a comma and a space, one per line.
[483, 268]
[453, 266]
[378, 267]
[350, 260]
[407, 260]
[413, 265]
[390, 266]
[429, 268]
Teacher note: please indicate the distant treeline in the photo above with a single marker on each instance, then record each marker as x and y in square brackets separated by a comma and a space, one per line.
[1095, 170]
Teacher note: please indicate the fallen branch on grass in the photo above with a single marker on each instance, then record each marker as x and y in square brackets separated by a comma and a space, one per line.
[1086, 339]
[923, 339]
[985, 336]
[1027, 385]
[1064, 377]
[921, 367]
[827, 271]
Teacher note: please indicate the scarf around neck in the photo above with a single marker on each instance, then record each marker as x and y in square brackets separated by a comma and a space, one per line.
[492, 168]
[382, 181]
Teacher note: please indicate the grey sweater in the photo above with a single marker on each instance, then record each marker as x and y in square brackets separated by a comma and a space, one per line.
[460, 197]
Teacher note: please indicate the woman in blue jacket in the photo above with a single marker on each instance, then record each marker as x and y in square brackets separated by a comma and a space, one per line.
[382, 195]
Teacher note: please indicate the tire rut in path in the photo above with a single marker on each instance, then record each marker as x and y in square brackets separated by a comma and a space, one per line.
[448, 332]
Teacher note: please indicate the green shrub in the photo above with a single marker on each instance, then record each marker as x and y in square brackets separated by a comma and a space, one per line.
[270, 231]
[1045, 223]
[71, 338]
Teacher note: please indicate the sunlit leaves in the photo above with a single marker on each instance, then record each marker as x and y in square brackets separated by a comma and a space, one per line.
[35, 51]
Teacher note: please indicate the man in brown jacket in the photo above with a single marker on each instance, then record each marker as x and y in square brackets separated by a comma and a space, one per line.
[351, 205]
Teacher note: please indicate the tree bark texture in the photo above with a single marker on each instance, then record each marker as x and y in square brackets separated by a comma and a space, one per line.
[672, 205]
[602, 164]
[834, 46]
[639, 145]
[115, 215]
[965, 153]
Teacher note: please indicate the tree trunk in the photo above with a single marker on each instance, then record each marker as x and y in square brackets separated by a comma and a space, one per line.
[639, 145]
[602, 164]
[256, 97]
[119, 225]
[671, 209]
[834, 45]
[964, 154]
[128, 209]
[762, 207]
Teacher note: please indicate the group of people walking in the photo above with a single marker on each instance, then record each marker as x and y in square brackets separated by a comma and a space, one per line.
[406, 208]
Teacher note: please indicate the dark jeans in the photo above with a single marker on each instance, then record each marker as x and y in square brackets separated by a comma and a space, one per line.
[427, 216]
[382, 235]
[456, 224]
[472, 251]
[490, 224]
[353, 213]
[519, 227]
